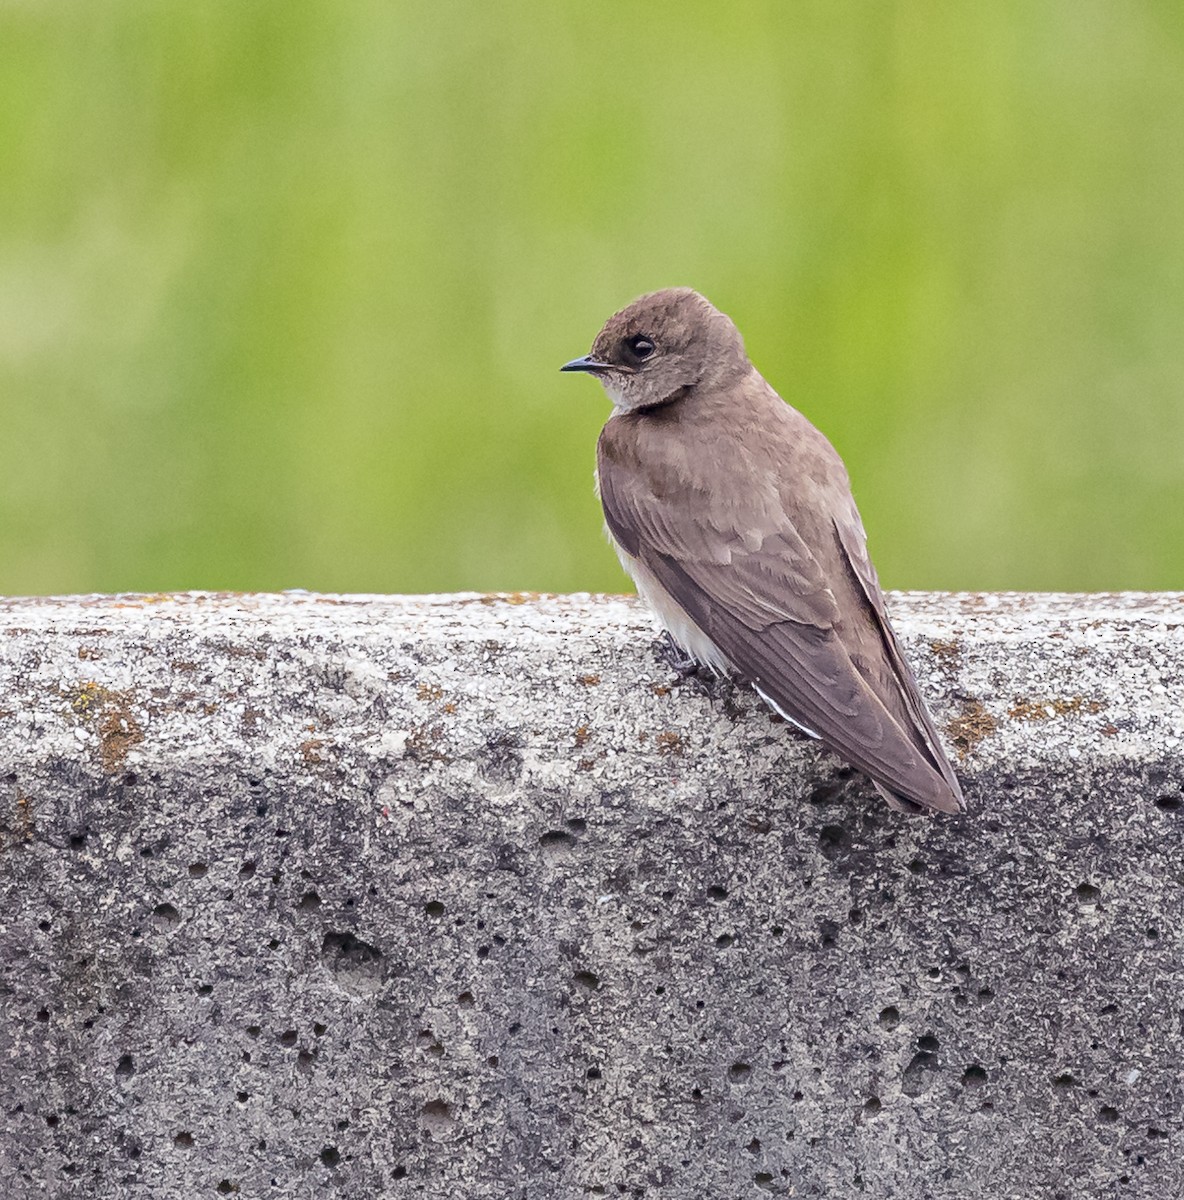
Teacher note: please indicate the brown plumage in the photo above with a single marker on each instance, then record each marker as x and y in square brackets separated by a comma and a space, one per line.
[735, 518]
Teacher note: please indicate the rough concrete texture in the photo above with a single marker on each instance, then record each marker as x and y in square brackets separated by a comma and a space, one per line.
[469, 897]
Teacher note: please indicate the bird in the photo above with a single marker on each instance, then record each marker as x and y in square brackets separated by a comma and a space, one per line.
[735, 519]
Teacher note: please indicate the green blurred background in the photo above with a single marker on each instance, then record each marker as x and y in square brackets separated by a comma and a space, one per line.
[285, 286]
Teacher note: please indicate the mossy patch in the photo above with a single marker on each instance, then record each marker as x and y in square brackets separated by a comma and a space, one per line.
[1024, 709]
[119, 729]
[946, 651]
[669, 743]
[970, 727]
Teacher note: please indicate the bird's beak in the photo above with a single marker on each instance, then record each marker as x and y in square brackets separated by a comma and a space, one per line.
[592, 365]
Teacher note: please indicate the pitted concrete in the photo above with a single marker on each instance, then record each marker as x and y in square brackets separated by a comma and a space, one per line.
[469, 897]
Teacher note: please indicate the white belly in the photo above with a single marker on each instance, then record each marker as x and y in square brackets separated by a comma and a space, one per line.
[670, 615]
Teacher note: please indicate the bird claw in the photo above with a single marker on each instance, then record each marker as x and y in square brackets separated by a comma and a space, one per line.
[679, 661]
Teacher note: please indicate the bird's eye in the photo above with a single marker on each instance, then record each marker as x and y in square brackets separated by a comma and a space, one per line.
[640, 346]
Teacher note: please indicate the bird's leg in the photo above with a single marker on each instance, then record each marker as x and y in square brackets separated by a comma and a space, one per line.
[679, 661]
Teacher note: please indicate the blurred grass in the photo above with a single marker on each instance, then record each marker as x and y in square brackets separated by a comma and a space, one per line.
[284, 287]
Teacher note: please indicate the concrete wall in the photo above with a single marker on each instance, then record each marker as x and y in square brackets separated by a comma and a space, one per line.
[469, 897]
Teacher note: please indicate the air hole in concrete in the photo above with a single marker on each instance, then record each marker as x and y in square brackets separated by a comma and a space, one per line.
[330, 1156]
[592, 1073]
[1064, 1080]
[465, 1000]
[1107, 1114]
[739, 1071]
[125, 1066]
[184, 1139]
[777, 930]
[1108, 1010]
[356, 964]
[556, 837]
[198, 870]
[242, 1097]
[254, 1030]
[889, 1017]
[1168, 803]
[754, 1147]
[493, 1060]
[934, 972]
[225, 1187]
[304, 1060]
[44, 926]
[288, 1037]
[928, 1043]
[917, 1075]
[918, 866]
[319, 1029]
[399, 1173]
[52, 1120]
[724, 940]
[872, 1106]
[855, 916]
[762, 1179]
[718, 894]
[205, 989]
[1152, 933]
[43, 1014]
[1087, 893]
[434, 908]
[482, 952]
[986, 993]
[436, 1118]
[974, 1076]
[696, 1093]
[577, 825]
[310, 901]
[78, 841]
[273, 944]
[833, 840]
[166, 916]
[246, 870]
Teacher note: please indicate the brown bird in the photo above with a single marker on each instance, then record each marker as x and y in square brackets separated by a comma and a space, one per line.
[735, 518]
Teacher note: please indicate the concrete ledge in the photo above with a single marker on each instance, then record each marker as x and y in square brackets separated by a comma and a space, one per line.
[465, 897]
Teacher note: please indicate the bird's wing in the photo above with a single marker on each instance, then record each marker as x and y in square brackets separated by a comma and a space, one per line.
[905, 697]
[763, 596]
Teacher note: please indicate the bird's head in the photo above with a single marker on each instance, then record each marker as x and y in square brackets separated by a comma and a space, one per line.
[663, 347]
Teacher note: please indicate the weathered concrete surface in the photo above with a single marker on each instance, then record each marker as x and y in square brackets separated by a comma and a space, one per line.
[463, 897]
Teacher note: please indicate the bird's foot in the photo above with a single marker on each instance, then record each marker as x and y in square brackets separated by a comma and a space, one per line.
[679, 661]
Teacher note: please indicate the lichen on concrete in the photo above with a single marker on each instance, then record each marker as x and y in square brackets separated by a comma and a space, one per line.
[471, 896]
